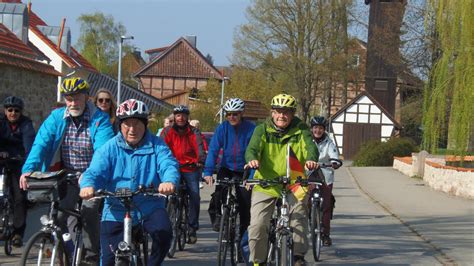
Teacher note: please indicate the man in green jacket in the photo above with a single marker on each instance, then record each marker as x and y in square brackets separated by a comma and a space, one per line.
[267, 152]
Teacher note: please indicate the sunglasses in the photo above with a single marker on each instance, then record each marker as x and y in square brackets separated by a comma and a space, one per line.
[232, 114]
[11, 110]
[102, 100]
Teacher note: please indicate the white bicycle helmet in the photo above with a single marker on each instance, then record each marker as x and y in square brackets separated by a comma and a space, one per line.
[234, 105]
[132, 108]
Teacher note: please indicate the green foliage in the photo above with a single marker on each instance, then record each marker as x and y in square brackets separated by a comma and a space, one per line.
[450, 93]
[99, 39]
[377, 153]
[411, 118]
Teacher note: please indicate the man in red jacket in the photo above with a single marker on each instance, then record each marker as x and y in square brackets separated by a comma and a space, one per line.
[189, 148]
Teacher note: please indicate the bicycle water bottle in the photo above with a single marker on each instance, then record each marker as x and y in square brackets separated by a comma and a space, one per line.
[2, 180]
[69, 245]
[127, 229]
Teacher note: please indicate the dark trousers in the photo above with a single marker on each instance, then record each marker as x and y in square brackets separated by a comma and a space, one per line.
[328, 205]
[157, 225]
[192, 186]
[19, 201]
[243, 198]
[90, 219]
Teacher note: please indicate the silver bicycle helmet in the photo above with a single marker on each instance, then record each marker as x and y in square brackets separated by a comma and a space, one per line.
[234, 105]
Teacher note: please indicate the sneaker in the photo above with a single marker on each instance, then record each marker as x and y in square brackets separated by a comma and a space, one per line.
[192, 238]
[299, 260]
[17, 241]
[327, 241]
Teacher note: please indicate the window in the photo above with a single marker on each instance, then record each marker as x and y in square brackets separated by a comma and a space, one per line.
[381, 85]
[355, 60]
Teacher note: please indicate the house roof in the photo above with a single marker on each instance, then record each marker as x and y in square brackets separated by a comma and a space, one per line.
[156, 50]
[10, 42]
[255, 110]
[15, 53]
[97, 81]
[360, 95]
[180, 60]
[74, 60]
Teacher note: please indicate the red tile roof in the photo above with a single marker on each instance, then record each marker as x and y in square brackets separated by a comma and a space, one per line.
[17, 60]
[10, 42]
[180, 60]
[156, 50]
[73, 60]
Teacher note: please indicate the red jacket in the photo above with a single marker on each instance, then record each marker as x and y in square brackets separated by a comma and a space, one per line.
[189, 147]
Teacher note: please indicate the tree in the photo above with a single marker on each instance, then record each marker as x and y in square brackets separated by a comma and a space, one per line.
[296, 41]
[99, 38]
[450, 91]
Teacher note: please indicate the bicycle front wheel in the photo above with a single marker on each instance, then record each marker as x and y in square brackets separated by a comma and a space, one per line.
[316, 230]
[42, 249]
[174, 214]
[183, 226]
[285, 251]
[223, 239]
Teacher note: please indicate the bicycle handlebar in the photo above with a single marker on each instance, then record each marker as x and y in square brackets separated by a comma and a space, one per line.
[226, 181]
[282, 180]
[330, 165]
[126, 193]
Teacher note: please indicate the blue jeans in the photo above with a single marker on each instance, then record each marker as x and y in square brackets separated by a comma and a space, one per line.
[192, 184]
[157, 225]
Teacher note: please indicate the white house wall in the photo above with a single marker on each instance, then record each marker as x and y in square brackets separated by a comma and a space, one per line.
[362, 111]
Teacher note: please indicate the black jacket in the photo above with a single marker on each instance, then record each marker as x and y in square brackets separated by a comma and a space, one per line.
[19, 141]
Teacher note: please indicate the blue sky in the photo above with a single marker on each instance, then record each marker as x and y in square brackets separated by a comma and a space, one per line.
[157, 23]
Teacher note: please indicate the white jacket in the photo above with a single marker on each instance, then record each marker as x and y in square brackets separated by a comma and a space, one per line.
[327, 149]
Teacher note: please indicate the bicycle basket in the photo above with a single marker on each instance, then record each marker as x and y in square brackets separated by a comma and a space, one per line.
[44, 188]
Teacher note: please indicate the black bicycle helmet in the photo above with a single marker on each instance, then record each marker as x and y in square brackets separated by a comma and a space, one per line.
[13, 101]
[319, 121]
[181, 109]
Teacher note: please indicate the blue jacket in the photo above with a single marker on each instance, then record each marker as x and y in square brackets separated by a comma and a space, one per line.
[117, 165]
[46, 148]
[233, 141]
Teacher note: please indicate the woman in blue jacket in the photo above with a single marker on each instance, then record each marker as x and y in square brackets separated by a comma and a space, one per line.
[133, 158]
[232, 136]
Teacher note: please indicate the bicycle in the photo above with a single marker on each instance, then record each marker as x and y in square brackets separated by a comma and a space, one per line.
[280, 251]
[128, 251]
[316, 211]
[178, 209]
[6, 203]
[229, 235]
[47, 246]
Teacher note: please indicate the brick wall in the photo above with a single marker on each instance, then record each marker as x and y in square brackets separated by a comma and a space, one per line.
[38, 91]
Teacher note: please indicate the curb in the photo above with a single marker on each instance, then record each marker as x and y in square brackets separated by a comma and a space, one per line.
[439, 255]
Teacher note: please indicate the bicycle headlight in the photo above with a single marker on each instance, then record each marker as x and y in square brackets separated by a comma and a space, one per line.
[44, 219]
[123, 246]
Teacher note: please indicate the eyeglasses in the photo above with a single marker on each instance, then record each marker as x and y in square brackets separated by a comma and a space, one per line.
[11, 110]
[102, 100]
[231, 114]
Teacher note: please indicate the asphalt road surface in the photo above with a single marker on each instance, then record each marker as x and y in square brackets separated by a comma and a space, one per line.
[363, 232]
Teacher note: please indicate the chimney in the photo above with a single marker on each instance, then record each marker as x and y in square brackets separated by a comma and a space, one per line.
[192, 39]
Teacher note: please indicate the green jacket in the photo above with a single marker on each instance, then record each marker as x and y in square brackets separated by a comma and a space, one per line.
[269, 147]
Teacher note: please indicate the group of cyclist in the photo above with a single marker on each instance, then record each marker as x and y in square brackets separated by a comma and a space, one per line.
[79, 137]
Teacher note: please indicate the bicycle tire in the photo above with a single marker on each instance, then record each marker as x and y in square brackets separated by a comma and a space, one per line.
[183, 227]
[174, 215]
[40, 250]
[316, 230]
[8, 246]
[144, 250]
[78, 249]
[236, 251]
[285, 251]
[223, 239]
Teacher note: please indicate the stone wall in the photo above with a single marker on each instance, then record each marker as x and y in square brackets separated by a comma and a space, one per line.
[456, 181]
[38, 91]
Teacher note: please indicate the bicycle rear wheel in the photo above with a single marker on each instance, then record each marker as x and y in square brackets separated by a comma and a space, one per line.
[7, 245]
[40, 250]
[174, 214]
[316, 230]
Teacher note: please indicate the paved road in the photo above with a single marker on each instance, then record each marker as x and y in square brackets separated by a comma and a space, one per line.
[393, 223]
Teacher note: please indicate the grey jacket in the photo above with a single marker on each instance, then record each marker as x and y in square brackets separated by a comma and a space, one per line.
[327, 149]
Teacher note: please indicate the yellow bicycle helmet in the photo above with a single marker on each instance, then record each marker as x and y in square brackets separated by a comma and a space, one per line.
[73, 86]
[284, 101]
